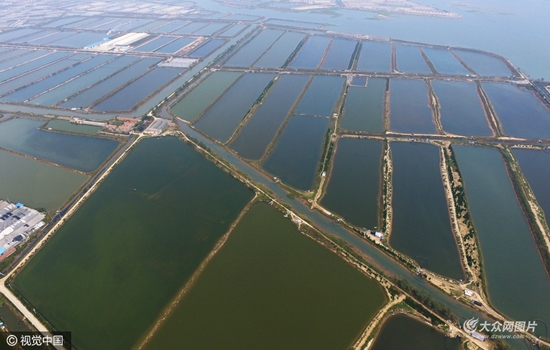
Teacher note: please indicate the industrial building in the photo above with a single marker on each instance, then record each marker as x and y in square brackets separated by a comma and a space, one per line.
[157, 127]
[88, 122]
[17, 222]
[120, 44]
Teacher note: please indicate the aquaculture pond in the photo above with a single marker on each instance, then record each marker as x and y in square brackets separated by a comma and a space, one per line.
[154, 44]
[339, 55]
[409, 107]
[136, 91]
[98, 22]
[295, 157]
[30, 61]
[413, 334]
[134, 24]
[278, 54]
[28, 38]
[321, 96]
[84, 81]
[65, 125]
[291, 23]
[202, 96]
[221, 120]
[19, 60]
[175, 45]
[8, 55]
[410, 60]
[50, 39]
[234, 30]
[311, 53]
[210, 29]
[63, 21]
[12, 319]
[190, 28]
[17, 33]
[353, 190]
[296, 154]
[80, 22]
[484, 64]
[359, 81]
[460, 108]
[79, 40]
[74, 151]
[132, 245]
[516, 279]
[259, 131]
[206, 48]
[445, 62]
[32, 65]
[40, 73]
[520, 113]
[364, 107]
[271, 287]
[37, 184]
[114, 25]
[151, 25]
[421, 226]
[252, 50]
[107, 86]
[375, 57]
[59, 78]
[535, 165]
[165, 29]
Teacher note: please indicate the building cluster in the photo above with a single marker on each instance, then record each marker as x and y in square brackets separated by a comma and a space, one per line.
[122, 125]
[17, 223]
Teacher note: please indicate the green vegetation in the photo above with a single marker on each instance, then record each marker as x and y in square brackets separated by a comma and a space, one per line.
[426, 300]
[117, 122]
[428, 61]
[470, 240]
[295, 52]
[133, 244]
[262, 95]
[386, 180]
[328, 149]
[355, 55]
[271, 287]
[143, 123]
[520, 183]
